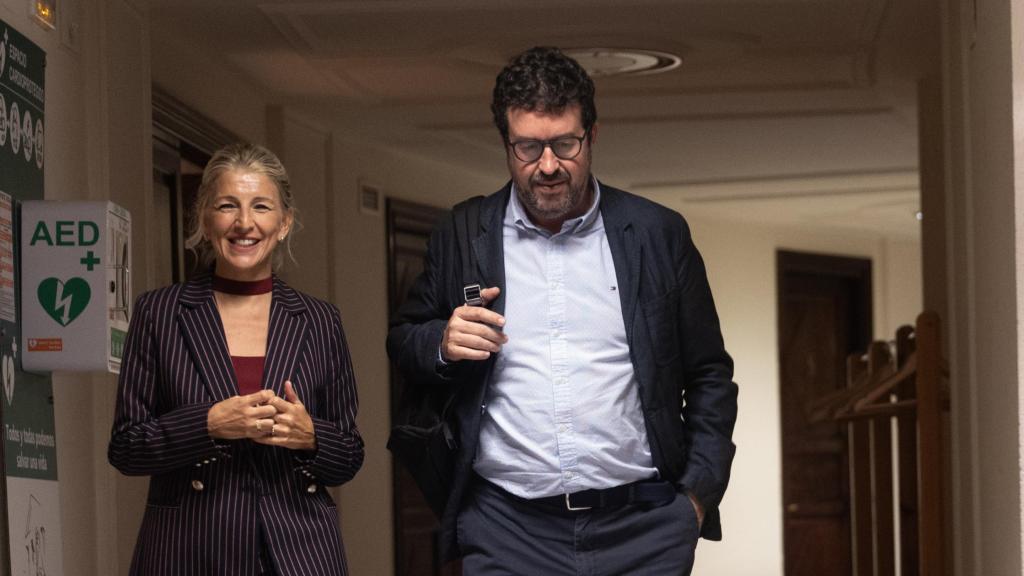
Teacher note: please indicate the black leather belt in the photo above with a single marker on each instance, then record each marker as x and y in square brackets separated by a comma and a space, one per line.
[650, 493]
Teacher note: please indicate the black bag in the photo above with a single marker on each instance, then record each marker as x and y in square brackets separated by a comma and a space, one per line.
[425, 442]
[426, 446]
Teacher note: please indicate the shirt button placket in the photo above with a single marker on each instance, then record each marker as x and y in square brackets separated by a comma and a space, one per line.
[557, 299]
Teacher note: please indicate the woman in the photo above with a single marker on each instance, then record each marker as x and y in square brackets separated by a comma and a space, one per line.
[237, 396]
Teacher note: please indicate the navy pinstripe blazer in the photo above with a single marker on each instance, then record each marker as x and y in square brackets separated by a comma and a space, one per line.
[209, 501]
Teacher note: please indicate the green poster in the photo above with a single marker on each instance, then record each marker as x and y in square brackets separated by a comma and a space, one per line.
[22, 73]
[26, 410]
[27, 406]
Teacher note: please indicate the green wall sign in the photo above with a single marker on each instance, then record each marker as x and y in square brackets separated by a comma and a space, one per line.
[26, 409]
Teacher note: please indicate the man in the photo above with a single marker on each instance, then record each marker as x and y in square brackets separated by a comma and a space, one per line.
[595, 402]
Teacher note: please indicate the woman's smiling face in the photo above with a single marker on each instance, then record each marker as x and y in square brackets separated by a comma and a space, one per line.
[244, 222]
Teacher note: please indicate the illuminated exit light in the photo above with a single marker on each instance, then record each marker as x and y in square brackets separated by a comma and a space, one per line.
[44, 12]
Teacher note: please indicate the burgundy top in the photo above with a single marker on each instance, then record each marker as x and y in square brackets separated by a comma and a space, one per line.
[249, 372]
[243, 287]
[248, 369]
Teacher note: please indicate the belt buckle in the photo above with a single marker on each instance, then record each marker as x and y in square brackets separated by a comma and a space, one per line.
[569, 506]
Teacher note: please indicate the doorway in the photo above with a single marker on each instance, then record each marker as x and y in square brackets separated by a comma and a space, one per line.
[824, 307]
[417, 532]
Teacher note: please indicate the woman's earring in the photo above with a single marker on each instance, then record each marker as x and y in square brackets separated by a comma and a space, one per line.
[280, 238]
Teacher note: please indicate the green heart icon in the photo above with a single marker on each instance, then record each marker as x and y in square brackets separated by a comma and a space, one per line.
[64, 301]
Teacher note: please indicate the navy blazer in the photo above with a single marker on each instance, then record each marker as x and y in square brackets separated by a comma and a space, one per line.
[684, 373]
[212, 503]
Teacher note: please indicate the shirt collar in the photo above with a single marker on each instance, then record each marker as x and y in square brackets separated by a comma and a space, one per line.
[571, 226]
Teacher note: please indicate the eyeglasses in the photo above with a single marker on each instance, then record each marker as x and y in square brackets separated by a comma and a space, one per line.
[565, 147]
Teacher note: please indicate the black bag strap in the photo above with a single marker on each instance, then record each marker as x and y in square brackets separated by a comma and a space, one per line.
[466, 228]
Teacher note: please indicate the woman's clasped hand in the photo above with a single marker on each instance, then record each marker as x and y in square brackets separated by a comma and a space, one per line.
[265, 418]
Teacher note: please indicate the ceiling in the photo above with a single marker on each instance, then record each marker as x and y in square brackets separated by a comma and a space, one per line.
[782, 111]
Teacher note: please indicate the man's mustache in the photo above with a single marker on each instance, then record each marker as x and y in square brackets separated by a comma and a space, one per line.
[544, 178]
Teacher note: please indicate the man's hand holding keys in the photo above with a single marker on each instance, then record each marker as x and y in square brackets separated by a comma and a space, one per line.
[474, 332]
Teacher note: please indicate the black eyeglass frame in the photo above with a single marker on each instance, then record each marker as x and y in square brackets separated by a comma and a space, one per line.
[549, 144]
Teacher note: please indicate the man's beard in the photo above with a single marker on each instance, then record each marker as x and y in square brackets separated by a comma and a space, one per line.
[562, 205]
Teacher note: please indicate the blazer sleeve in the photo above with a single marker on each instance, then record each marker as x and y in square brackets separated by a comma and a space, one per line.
[145, 439]
[709, 400]
[339, 447]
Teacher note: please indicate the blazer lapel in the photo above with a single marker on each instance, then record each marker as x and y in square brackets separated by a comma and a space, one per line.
[286, 334]
[488, 246]
[203, 332]
[627, 253]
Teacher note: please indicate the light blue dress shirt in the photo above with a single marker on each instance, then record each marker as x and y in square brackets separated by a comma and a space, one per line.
[563, 412]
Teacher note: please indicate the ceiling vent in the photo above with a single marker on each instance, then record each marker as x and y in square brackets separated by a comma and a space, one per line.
[623, 61]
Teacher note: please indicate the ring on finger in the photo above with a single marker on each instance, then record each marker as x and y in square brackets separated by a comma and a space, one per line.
[273, 429]
[259, 426]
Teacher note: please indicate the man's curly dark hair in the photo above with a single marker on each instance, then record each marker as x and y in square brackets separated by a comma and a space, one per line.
[542, 79]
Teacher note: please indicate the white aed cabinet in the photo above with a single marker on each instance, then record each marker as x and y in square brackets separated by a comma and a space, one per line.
[75, 285]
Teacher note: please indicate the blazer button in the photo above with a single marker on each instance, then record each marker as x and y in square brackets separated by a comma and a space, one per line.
[311, 488]
[197, 485]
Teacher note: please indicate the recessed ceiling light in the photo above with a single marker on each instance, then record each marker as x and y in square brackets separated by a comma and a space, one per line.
[623, 61]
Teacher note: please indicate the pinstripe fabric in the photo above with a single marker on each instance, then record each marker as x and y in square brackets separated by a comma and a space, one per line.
[209, 501]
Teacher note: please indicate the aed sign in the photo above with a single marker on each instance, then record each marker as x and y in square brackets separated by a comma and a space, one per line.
[87, 233]
[75, 285]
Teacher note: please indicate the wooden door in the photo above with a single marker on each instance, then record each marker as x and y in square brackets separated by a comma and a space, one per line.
[416, 529]
[824, 315]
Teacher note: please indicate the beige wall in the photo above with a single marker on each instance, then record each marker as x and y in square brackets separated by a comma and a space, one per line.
[98, 147]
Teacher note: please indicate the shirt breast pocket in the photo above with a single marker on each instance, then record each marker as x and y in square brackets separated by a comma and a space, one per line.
[662, 317]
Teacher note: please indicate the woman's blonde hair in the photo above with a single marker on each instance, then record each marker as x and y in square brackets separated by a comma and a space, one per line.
[249, 158]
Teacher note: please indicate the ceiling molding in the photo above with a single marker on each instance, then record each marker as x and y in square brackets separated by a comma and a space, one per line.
[787, 186]
[743, 116]
[791, 195]
[398, 6]
[728, 116]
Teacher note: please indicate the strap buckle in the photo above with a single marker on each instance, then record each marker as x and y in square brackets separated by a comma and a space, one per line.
[569, 506]
[471, 292]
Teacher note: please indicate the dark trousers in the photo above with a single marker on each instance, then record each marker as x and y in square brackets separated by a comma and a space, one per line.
[503, 535]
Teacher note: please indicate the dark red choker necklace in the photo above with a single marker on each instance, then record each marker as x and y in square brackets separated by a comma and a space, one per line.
[243, 287]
